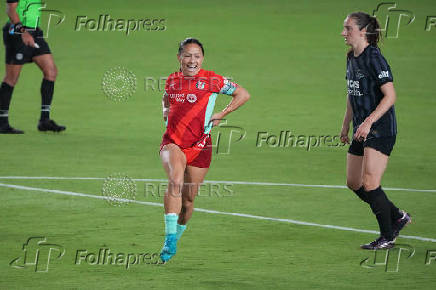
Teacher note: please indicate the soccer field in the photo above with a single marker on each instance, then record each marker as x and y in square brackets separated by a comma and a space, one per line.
[269, 216]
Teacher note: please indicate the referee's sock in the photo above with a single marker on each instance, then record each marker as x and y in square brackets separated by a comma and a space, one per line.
[381, 207]
[47, 89]
[5, 100]
[362, 194]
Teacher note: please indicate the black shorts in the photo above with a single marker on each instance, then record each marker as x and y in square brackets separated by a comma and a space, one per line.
[382, 144]
[19, 53]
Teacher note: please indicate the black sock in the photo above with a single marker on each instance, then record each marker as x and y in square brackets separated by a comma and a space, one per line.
[47, 89]
[382, 209]
[395, 212]
[362, 194]
[5, 100]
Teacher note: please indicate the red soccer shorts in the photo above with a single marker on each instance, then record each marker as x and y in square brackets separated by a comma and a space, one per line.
[199, 155]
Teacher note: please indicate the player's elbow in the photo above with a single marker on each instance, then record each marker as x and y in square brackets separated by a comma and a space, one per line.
[394, 98]
[246, 97]
[244, 94]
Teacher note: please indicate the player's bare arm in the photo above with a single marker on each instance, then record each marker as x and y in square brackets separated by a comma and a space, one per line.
[346, 123]
[239, 97]
[385, 104]
[165, 106]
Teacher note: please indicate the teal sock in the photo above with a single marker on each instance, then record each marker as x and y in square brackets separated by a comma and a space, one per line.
[171, 223]
[180, 230]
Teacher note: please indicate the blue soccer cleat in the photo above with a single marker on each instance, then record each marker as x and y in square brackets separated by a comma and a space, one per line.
[169, 249]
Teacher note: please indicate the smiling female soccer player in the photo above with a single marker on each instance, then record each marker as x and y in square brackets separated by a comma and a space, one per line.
[186, 151]
[370, 104]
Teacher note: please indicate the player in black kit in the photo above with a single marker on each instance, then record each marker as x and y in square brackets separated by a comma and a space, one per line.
[370, 104]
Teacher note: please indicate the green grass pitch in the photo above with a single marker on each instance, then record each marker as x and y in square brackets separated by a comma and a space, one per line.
[291, 58]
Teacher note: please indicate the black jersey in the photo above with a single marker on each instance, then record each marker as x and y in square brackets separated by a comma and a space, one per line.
[365, 75]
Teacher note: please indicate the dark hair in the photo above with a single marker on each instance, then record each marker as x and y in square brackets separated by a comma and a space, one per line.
[188, 41]
[373, 31]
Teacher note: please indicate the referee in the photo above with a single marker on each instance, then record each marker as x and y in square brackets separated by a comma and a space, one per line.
[370, 104]
[24, 43]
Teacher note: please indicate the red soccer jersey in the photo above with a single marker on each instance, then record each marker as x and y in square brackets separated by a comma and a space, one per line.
[192, 100]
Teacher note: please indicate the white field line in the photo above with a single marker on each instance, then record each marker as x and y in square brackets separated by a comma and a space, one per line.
[212, 181]
[70, 193]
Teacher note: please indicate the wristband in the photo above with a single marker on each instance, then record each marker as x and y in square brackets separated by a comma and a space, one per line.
[17, 28]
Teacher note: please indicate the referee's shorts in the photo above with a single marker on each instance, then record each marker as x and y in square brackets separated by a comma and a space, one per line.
[19, 53]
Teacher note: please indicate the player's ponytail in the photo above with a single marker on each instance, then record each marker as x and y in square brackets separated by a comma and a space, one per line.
[373, 31]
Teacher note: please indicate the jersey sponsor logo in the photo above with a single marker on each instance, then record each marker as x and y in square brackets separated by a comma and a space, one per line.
[353, 84]
[383, 74]
[191, 98]
[178, 97]
[354, 88]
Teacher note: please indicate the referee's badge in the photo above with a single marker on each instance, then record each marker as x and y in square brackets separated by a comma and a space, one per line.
[19, 56]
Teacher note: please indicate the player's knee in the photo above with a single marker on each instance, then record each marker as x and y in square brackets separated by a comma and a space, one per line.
[353, 184]
[370, 183]
[10, 80]
[176, 182]
[51, 73]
